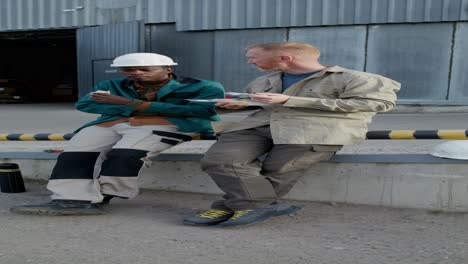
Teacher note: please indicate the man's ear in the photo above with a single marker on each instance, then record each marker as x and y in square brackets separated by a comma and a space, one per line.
[286, 58]
[169, 70]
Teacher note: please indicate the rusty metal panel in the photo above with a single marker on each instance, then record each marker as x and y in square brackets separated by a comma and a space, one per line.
[418, 56]
[459, 73]
[192, 50]
[341, 45]
[230, 67]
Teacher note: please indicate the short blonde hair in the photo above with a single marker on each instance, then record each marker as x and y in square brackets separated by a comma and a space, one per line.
[293, 47]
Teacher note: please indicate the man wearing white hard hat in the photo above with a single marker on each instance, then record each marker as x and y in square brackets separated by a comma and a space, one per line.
[142, 114]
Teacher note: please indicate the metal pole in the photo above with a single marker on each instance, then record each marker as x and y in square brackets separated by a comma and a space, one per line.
[371, 135]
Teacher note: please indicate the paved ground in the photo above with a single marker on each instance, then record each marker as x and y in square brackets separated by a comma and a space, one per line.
[148, 229]
[63, 118]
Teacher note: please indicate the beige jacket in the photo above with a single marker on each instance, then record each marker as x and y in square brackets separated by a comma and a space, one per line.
[332, 107]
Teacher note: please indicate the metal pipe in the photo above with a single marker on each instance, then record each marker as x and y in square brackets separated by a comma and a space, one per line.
[371, 135]
[418, 134]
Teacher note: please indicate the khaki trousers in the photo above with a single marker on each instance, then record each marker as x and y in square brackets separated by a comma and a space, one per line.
[107, 160]
[254, 172]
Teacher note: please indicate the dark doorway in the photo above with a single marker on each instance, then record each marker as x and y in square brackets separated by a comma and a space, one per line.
[38, 66]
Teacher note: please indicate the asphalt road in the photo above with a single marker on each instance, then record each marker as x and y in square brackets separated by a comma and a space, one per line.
[149, 230]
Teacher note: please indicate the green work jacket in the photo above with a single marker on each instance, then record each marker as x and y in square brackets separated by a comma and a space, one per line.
[171, 100]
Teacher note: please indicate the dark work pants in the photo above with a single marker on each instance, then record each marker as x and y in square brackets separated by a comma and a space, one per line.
[249, 182]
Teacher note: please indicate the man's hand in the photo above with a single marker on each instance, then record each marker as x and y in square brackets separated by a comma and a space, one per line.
[109, 98]
[269, 98]
[232, 105]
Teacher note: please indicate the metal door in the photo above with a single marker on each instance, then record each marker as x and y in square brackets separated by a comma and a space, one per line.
[98, 46]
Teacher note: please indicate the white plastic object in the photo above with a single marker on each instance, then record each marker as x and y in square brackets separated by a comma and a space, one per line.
[101, 91]
[455, 149]
[142, 59]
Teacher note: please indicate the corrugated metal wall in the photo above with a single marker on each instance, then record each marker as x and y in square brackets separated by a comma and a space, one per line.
[98, 46]
[459, 73]
[380, 36]
[428, 59]
[46, 14]
[192, 50]
[230, 14]
[225, 14]
[229, 63]
[417, 55]
[344, 45]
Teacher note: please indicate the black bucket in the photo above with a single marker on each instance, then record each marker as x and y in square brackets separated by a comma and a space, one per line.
[11, 180]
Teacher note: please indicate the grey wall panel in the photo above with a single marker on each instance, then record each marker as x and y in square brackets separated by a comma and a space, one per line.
[418, 56]
[232, 14]
[102, 71]
[231, 68]
[105, 43]
[224, 14]
[459, 76]
[192, 50]
[40, 14]
[46, 14]
[160, 11]
[342, 45]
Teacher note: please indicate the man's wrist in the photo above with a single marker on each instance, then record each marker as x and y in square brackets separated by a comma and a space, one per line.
[135, 103]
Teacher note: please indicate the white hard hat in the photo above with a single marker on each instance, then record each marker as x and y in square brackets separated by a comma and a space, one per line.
[456, 149]
[142, 59]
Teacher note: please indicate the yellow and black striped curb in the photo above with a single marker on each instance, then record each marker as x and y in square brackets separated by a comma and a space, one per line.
[378, 134]
[36, 137]
[9, 170]
[418, 134]
[52, 137]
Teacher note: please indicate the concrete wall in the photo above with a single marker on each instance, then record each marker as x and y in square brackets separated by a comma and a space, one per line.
[430, 185]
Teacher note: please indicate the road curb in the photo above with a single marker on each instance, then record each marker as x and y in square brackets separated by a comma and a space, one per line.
[406, 181]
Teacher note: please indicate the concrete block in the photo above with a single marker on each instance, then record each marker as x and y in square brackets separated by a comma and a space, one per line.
[434, 186]
[183, 176]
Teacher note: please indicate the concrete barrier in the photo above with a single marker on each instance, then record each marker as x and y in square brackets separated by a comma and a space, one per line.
[410, 181]
[371, 135]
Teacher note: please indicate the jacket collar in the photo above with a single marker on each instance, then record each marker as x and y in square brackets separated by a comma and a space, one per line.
[274, 77]
[169, 87]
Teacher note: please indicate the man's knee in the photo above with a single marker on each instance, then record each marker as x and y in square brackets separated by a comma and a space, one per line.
[123, 162]
[208, 163]
[74, 165]
[277, 168]
[283, 166]
[303, 162]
